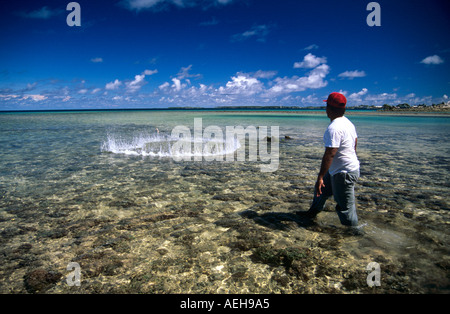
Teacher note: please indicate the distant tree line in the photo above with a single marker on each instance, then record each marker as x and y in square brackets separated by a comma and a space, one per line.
[406, 106]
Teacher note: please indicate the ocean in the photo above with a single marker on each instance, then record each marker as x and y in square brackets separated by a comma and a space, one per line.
[142, 209]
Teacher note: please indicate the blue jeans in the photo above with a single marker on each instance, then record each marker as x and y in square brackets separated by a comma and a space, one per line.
[342, 187]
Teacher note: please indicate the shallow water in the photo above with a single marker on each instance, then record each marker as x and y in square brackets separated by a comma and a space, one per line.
[102, 189]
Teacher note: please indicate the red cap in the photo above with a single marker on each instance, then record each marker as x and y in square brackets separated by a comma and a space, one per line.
[336, 100]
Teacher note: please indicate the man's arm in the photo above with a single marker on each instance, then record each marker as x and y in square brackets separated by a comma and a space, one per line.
[327, 159]
[356, 143]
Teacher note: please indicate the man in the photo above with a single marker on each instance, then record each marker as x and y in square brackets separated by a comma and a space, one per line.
[339, 170]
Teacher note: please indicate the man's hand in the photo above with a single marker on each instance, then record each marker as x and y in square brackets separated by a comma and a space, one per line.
[319, 186]
[327, 159]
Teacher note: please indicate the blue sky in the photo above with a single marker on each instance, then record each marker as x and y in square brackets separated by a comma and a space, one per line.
[208, 53]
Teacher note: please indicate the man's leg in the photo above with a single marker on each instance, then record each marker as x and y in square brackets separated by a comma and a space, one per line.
[344, 195]
[319, 201]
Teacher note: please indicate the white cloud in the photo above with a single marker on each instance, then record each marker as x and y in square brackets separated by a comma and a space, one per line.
[34, 97]
[310, 61]
[264, 74]
[241, 84]
[131, 86]
[113, 85]
[176, 84]
[141, 4]
[364, 98]
[138, 5]
[413, 99]
[310, 100]
[175, 87]
[356, 98]
[381, 97]
[138, 82]
[165, 85]
[352, 74]
[432, 60]
[311, 47]
[358, 94]
[180, 82]
[97, 60]
[242, 88]
[8, 96]
[313, 80]
[259, 32]
[150, 72]
[30, 86]
[44, 13]
[82, 91]
[184, 73]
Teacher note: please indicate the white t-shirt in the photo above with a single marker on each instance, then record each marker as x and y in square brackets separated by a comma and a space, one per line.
[341, 134]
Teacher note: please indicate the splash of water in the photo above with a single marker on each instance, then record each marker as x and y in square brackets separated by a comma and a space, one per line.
[161, 145]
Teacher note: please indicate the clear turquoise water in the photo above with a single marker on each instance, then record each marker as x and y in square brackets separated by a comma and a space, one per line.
[65, 194]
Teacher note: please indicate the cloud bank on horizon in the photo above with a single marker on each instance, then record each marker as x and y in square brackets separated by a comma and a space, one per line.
[207, 53]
